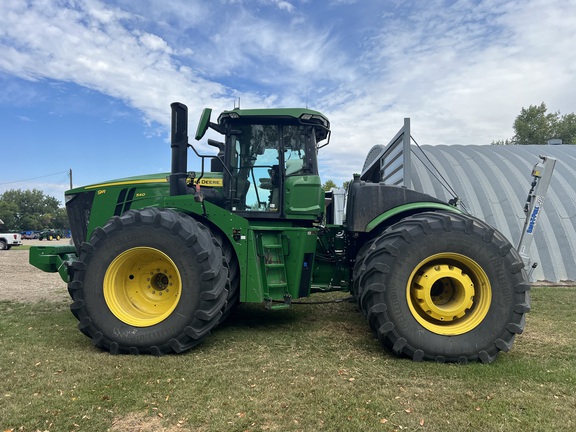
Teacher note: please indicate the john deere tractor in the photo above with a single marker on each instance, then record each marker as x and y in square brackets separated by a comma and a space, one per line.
[158, 261]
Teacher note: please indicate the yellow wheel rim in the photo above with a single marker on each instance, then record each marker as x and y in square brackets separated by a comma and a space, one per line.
[142, 286]
[449, 294]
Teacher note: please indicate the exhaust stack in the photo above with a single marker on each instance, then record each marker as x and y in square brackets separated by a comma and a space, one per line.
[179, 145]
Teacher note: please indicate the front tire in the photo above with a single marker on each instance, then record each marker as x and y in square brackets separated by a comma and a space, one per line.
[150, 281]
[444, 287]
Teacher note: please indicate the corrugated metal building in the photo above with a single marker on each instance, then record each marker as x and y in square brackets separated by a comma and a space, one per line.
[493, 183]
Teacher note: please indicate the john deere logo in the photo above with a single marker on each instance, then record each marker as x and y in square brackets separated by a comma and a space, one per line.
[210, 182]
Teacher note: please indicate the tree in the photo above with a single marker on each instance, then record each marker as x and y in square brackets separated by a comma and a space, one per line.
[535, 125]
[566, 129]
[502, 142]
[31, 210]
[8, 213]
[328, 185]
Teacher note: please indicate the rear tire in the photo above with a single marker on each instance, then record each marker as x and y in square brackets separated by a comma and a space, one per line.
[444, 287]
[150, 281]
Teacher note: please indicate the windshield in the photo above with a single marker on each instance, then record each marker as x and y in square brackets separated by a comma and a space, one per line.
[261, 155]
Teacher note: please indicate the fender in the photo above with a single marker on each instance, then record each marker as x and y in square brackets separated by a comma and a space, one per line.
[411, 208]
[370, 204]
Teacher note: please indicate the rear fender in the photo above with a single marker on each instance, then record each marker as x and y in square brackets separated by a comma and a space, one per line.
[405, 210]
[369, 204]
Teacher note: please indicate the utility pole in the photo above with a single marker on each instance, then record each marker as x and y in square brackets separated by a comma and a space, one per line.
[70, 175]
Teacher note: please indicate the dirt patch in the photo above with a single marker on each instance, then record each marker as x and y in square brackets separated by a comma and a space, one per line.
[22, 282]
[136, 422]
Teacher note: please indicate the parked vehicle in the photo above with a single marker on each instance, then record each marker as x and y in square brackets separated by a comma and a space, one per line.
[50, 234]
[29, 235]
[7, 240]
[160, 260]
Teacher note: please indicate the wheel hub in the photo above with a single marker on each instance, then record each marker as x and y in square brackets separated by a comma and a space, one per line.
[160, 281]
[444, 292]
[448, 294]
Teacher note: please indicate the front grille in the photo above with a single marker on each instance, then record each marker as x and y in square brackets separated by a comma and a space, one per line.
[78, 209]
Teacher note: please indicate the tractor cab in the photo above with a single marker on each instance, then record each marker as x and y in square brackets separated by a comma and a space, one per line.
[268, 161]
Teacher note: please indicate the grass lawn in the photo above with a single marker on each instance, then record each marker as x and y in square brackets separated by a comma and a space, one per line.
[312, 367]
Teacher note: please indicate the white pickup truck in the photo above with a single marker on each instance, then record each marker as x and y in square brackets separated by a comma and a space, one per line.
[9, 240]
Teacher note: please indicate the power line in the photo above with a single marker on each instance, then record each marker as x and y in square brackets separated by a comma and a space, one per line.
[34, 178]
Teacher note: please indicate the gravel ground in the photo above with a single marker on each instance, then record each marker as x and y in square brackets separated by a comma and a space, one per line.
[22, 282]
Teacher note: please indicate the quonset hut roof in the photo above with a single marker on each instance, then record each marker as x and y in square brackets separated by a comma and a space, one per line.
[492, 182]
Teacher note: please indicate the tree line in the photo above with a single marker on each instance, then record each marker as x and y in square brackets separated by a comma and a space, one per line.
[31, 210]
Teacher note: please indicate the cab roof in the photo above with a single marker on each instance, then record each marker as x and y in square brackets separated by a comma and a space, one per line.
[303, 115]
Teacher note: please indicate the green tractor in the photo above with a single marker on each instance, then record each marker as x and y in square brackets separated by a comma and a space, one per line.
[50, 234]
[159, 261]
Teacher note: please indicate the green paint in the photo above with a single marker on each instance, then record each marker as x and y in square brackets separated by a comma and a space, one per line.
[406, 208]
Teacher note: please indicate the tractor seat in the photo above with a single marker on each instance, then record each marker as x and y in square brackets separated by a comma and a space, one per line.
[293, 166]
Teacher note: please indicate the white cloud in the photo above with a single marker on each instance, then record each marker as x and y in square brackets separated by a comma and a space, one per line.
[283, 5]
[154, 43]
[461, 74]
[107, 48]
[464, 73]
[90, 46]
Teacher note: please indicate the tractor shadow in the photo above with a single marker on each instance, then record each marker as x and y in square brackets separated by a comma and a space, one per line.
[305, 324]
[255, 317]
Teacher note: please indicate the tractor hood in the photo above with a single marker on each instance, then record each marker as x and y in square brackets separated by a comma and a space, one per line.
[126, 181]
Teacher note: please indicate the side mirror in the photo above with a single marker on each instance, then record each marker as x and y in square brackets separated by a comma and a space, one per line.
[203, 124]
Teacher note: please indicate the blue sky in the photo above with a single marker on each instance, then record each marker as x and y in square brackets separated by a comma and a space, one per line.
[86, 84]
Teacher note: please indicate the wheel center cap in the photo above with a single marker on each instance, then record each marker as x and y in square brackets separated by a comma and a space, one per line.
[443, 292]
